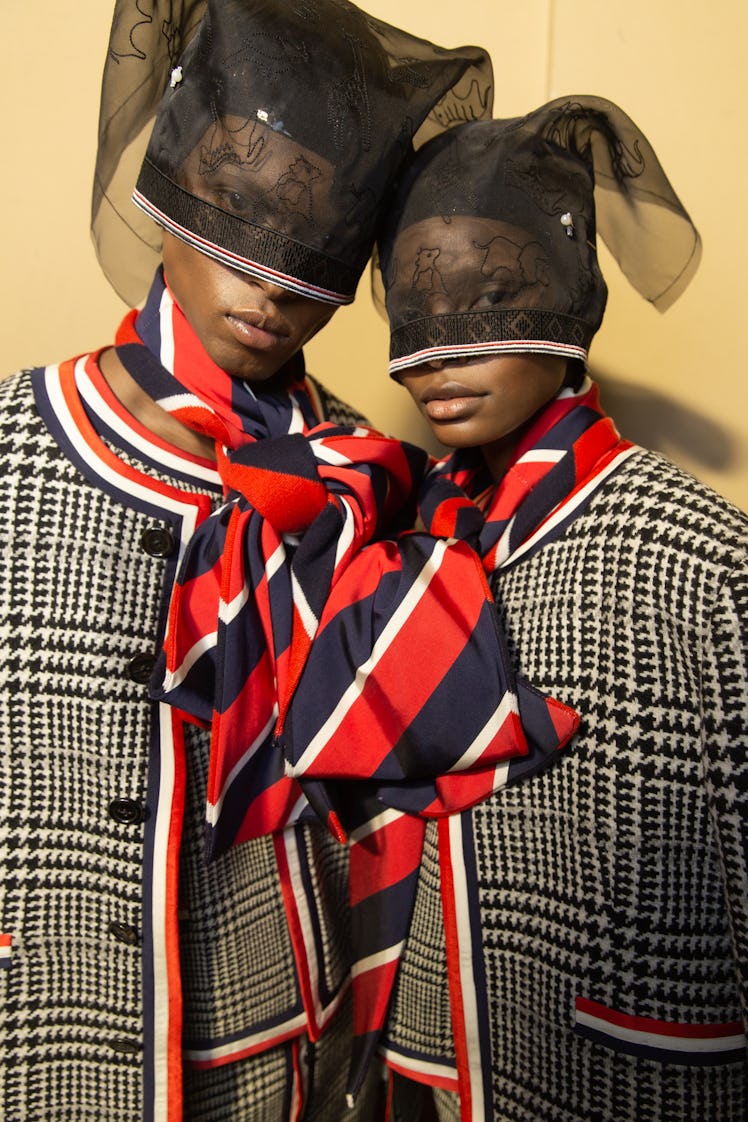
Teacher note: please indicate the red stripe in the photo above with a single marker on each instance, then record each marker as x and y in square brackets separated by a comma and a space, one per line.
[289, 501]
[460, 791]
[171, 927]
[565, 720]
[230, 565]
[443, 1082]
[371, 997]
[372, 720]
[118, 467]
[518, 482]
[242, 1053]
[298, 1084]
[270, 811]
[297, 936]
[239, 725]
[686, 1031]
[190, 616]
[400, 842]
[452, 943]
[202, 420]
[445, 516]
[382, 559]
[590, 446]
[388, 1103]
[295, 661]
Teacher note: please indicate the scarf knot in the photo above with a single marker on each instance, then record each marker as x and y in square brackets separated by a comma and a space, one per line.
[359, 674]
[278, 478]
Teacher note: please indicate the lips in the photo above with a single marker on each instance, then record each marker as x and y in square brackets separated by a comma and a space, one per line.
[450, 401]
[257, 329]
[447, 391]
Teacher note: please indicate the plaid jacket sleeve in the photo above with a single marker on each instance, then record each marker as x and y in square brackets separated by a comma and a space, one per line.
[725, 699]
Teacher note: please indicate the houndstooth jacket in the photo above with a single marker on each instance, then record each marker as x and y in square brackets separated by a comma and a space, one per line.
[114, 951]
[608, 919]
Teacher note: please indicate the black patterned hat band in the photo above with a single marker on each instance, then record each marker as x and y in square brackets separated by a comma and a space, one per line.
[279, 129]
[490, 246]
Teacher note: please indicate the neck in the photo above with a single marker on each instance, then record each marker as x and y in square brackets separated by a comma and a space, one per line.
[148, 413]
[499, 454]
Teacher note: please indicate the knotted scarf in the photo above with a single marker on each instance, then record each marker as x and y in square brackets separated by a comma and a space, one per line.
[346, 666]
[251, 585]
[410, 667]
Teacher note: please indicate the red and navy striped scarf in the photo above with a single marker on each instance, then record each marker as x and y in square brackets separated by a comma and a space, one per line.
[302, 497]
[409, 671]
[345, 667]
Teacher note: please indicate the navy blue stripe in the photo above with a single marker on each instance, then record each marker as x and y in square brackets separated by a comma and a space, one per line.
[401, 1050]
[256, 776]
[480, 981]
[442, 730]
[383, 919]
[663, 1055]
[206, 1043]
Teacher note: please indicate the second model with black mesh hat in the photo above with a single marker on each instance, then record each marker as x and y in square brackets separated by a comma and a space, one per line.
[490, 246]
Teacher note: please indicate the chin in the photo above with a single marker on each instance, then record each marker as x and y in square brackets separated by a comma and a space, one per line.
[453, 437]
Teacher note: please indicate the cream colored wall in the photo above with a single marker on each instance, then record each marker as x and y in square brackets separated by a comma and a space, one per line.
[675, 382]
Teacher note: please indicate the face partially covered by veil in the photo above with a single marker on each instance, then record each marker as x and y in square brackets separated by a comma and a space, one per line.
[470, 264]
[276, 141]
[262, 176]
[490, 246]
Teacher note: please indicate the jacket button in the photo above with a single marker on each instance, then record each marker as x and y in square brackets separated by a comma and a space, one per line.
[124, 933]
[140, 667]
[127, 811]
[158, 541]
[127, 1047]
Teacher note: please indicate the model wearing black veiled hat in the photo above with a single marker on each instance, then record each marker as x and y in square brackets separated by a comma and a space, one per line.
[144, 982]
[590, 922]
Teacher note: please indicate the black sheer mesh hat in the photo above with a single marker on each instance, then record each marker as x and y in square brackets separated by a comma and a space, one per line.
[490, 244]
[279, 127]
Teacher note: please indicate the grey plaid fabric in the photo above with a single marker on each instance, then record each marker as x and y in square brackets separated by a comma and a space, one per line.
[256, 1089]
[79, 597]
[621, 873]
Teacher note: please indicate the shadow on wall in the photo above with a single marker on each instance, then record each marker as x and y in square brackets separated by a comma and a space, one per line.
[666, 425]
[646, 416]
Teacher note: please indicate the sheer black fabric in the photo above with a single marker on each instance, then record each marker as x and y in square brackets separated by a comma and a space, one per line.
[277, 138]
[491, 242]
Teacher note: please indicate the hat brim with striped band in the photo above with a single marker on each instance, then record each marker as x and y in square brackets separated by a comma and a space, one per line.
[242, 244]
[475, 334]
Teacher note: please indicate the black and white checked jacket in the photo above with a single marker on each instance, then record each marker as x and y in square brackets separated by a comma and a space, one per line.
[611, 903]
[91, 962]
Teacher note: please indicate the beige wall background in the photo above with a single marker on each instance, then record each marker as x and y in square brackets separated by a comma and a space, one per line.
[674, 382]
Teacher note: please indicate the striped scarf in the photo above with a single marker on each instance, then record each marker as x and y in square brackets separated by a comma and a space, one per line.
[410, 666]
[298, 631]
[303, 496]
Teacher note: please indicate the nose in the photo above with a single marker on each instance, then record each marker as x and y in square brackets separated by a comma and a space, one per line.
[273, 291]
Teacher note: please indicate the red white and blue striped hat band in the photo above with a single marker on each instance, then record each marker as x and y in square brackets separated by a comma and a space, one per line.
[269, 246]
[469, 335]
